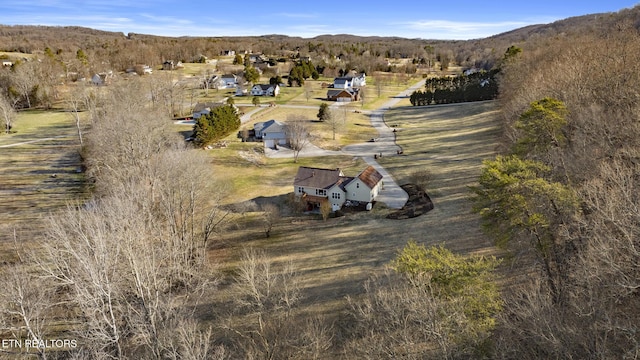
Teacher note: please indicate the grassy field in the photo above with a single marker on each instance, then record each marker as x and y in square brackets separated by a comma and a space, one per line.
[333, 257]
[336, 256]
[39, 175]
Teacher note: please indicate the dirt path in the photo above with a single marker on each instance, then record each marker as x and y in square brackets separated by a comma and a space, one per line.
[33, 141]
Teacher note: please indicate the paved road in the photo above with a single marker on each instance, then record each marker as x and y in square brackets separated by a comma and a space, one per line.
[392, 194]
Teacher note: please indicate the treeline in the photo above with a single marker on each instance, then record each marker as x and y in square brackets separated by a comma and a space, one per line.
[367, 54]
[479, 86]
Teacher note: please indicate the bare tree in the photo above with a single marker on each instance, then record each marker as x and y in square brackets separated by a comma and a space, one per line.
[338, 119]
[270, 216]
[166, 92]
[191, 342]
[380, 83]
[25, 305]
[25, 80]
[401, 320]
[84, 257]
[8, 113]
[362, 94]
[308, 90]
[298, 134]
[76, 100]
[325, 209]
[129, 261]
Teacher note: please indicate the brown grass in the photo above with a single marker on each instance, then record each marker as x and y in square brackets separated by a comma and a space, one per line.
[335, 257]
[36, 178]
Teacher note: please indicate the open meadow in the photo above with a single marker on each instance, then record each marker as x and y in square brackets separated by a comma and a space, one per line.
[333, 258]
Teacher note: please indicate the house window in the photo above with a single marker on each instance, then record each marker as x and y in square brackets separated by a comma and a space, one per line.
[321, 192]
[335, 195]
[358, 185]
[300, 190]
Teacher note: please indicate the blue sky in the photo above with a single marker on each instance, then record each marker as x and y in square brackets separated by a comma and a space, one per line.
[443, 20]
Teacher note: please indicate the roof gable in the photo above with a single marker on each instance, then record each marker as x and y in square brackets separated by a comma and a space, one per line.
[370, 177]
[338, 92]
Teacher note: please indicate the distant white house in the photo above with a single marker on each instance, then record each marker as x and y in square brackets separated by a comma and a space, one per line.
[342, 83]
[265, 90]
[271, 132]
[359, 80]
[7, 63]
[97, 80]
[346, 82]
[258, 58]
[226, 81]
[102, 78]
[229, 80]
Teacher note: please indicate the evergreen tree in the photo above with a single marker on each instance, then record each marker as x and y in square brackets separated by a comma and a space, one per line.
[541, 127]
[466, 282]
[520, 207]
[251, 74]
[323, 113]
[219, 123]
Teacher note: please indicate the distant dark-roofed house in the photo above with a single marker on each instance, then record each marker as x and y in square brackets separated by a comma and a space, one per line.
[204, 108]
[271, 132]
[171, 65]
[342, 95]
[168, 65]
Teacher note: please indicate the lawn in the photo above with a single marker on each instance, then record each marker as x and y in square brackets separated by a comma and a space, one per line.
[39, 177]
[38, 124]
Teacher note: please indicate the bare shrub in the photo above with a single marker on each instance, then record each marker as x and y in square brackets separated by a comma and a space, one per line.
[270, 216]
[264, 324]
[421, 177]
